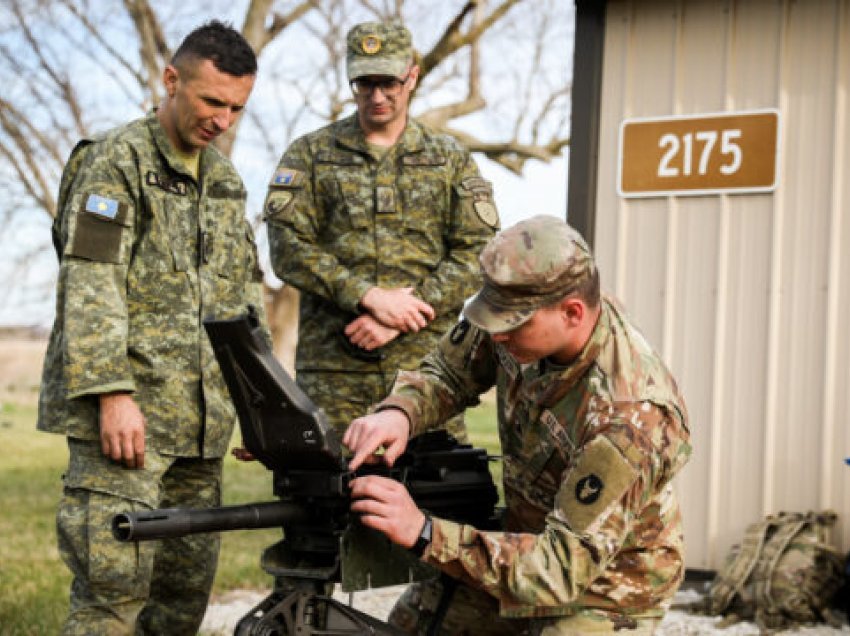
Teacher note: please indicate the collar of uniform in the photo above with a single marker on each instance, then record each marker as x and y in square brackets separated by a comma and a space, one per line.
[564, 382]
[350, 135]
[166, 149]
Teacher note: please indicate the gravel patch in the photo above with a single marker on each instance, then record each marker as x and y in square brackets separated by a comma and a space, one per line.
[223, 614]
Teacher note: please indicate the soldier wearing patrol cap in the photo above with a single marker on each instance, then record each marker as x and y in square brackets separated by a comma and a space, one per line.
[151, 237]
[593, 430]
[378, 221]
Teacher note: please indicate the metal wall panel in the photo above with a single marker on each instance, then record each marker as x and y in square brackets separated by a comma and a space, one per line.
[745, 295]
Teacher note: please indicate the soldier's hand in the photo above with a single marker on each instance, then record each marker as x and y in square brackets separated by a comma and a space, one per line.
[122, 429]
[365, 436]
[243, 454]
[385, 505]
[398, 308]
[366, 332]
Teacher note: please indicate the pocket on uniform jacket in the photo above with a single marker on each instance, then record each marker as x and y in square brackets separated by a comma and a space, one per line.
[340, 177]
[100, 223]
[233, 254]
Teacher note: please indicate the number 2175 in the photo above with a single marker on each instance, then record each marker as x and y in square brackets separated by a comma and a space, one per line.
[692, 150]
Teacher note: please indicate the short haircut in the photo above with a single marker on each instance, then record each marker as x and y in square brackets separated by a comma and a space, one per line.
[589, 289]
[220, 43]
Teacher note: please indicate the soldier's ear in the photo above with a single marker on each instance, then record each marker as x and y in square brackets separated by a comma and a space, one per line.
[413, 76]
[574, 310]
[170, 77]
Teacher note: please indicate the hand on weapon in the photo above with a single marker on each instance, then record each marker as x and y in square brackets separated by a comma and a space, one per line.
[398, 308]
[385, 505]
[388, 429]
[122, 429]
[366, 332]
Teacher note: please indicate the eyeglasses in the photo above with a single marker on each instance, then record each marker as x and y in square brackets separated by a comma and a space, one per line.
[389, 86]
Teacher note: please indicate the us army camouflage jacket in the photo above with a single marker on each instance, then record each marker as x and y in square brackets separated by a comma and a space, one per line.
[145, 254]
[341, 222]
[592, 522]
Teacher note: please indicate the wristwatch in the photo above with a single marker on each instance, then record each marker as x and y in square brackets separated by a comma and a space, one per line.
[424, 539]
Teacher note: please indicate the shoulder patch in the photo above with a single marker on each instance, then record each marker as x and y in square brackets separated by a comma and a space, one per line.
[487, 212]
[287, 178]
[102, 206]
[601, 477]
[276, 203]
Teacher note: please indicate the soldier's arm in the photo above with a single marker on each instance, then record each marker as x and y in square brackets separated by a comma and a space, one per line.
[448, 380]
[295, 220]
[97, 233]
[593, 518]
[95, 239]
[473, 222]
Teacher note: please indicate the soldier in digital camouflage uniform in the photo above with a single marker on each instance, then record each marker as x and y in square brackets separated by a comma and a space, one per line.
[378, 221]
[152, 238]
[593, 430]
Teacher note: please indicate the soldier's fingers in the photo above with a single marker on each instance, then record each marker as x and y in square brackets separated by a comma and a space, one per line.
[394, 451]
[115, 451]
[128, 451]
[139, 446]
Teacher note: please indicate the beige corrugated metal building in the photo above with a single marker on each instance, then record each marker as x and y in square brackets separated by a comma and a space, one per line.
[746, 295]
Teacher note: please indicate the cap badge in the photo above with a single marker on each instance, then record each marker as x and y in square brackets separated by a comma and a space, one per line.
[371, 44]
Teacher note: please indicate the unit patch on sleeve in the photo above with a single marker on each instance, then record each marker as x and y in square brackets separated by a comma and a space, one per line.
[601, 476]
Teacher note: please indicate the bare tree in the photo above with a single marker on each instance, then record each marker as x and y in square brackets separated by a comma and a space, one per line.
[494, 74]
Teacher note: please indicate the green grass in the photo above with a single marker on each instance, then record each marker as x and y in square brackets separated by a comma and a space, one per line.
[33, 580]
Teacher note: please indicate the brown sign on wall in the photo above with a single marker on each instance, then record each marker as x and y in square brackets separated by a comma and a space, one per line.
[699, 154]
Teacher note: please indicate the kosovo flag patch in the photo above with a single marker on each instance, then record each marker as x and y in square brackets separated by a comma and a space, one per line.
[287, 178]
[102, 206]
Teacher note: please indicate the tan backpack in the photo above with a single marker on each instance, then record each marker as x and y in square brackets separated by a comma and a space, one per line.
[783, 574]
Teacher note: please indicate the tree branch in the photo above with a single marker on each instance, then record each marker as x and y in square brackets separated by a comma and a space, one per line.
[153, 48]
[452, 38]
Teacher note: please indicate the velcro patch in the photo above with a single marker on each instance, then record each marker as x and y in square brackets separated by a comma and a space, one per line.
[475, 184]
[601, 477]
[423, 159]
[287, 178]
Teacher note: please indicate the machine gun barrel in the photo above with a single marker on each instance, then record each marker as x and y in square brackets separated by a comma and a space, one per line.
[165, 523]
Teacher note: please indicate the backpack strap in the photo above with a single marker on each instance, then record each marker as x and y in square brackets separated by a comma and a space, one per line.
[788, 527]
[731, 579]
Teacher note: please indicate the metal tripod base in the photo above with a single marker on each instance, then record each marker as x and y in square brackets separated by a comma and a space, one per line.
[304, 610]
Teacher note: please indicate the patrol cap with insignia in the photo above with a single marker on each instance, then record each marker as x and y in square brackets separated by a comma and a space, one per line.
[378, 48]
[527, 266]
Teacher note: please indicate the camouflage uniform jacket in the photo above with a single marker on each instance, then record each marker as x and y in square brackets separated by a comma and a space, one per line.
[592, 523]
[146, 253]
[342, 221]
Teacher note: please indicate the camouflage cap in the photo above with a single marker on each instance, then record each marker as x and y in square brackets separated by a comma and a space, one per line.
[378, 48]
[527, 266]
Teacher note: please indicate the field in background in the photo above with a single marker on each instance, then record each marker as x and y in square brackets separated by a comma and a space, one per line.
[34, 582]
